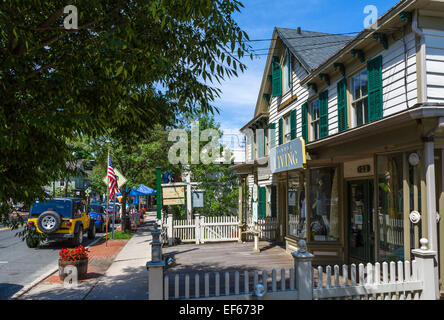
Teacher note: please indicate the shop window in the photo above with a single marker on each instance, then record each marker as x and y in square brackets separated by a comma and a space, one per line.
[324, 204]
[314, 112]
[296, 206]
[390, 208]
[360, 99]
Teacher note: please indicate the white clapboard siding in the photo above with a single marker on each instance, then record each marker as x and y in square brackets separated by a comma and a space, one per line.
[434, 40]
[395, 70]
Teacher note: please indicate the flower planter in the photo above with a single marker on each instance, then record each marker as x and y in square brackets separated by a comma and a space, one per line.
[81, 265]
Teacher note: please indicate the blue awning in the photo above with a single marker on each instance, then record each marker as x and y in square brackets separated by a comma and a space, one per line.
[147, 191]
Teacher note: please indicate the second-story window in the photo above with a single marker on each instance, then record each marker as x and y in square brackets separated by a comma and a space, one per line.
[360, 99]
[314, 112]
[287, 128]
[286, 72]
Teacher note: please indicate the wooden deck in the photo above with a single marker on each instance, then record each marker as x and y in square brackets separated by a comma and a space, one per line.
[228, 257]
[225, 257]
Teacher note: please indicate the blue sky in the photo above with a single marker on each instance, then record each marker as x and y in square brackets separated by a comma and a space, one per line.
[258, 19]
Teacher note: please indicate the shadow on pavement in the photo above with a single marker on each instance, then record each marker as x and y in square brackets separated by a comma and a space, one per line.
[7, 290]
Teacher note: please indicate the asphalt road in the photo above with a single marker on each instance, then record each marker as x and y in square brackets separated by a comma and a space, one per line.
[20, 265]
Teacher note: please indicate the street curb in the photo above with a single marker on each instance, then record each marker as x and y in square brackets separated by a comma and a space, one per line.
[28, 287]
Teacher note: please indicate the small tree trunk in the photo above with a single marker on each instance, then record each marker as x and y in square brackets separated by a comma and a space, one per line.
[123, 218]
[66, 187]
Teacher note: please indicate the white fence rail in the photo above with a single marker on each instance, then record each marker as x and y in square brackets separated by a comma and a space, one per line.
[394, 281]
[216, 229]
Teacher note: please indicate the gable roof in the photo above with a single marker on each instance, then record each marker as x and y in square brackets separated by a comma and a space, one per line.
[312, 48]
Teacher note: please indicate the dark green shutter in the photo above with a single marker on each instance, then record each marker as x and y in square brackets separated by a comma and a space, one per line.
[273, 202]
[272, 135]
[281, 131]
[374, 71]
[323, 114]
[293, 124]
[277, 77]
[262, 203]
[304, 111]
[342, 105]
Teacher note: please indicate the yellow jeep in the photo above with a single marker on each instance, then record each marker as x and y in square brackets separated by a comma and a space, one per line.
[61, 219]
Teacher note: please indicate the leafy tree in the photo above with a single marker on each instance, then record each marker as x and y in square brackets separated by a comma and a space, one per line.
[57, 84]
[136, 157]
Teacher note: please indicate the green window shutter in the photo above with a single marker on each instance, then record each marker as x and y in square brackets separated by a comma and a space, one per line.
[272, 135]
[342, 105]
[323, 114]
[293, 124]
[281, 131]
[374, 71]
[273, 202]
[304, 111]
[277, 77]
[262, 203]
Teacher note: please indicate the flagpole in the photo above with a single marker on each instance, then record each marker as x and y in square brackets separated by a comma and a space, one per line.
[107, 202]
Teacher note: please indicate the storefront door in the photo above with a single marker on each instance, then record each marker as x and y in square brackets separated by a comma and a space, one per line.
[361, 237]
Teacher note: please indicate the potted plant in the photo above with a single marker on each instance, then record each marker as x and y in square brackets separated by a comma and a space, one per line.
[77, 257]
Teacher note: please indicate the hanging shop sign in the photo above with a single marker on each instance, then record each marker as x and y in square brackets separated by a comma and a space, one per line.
[289, 156]
[173, 192]
[198, 199]
[173, 195]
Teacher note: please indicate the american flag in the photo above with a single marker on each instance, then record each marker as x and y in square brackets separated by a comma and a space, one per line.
[112, 180]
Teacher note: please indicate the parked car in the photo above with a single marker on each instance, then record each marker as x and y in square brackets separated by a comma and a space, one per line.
[61, 219]
[112, 211]
[98, 214]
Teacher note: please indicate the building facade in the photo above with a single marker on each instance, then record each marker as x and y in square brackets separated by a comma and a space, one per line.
[368, 114]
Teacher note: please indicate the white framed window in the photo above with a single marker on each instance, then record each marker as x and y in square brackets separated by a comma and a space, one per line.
[359, 87]
[314, 124]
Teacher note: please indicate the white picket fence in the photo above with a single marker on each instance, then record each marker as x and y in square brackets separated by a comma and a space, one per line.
[396, 281]
[216, 229]
[394, 230]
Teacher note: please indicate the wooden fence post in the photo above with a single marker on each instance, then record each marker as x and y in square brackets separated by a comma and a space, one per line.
[425, 259]
[197, 227]
[155, 268]
[304, 271]
[170, 229]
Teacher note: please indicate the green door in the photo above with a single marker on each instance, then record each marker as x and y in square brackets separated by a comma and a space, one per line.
[262, 203]
[360, 227]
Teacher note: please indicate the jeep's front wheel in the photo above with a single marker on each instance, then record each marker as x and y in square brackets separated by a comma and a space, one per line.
[92, 232]
[78, 237]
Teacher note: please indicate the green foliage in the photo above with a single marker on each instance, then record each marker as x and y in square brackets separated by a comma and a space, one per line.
[121, 235]
[99, 80]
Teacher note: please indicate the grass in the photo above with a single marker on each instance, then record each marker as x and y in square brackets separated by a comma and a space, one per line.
[119, 235]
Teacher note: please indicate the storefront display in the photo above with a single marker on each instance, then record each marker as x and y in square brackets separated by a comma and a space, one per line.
[296, 206]
[324, 218]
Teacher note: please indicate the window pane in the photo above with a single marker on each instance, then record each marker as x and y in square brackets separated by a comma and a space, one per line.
[365, 109]
[390, 208]
[364, 83]
[296, 207]
[355, 86]
[359, 116]
[324, 218]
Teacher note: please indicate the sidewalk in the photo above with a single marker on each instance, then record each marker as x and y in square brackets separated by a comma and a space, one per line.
[114, 273]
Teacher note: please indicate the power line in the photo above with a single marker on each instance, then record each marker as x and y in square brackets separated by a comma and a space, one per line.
[306, 37]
